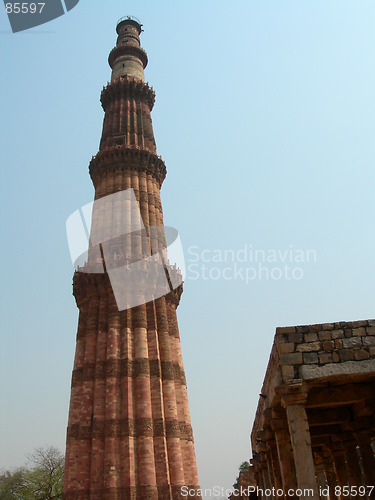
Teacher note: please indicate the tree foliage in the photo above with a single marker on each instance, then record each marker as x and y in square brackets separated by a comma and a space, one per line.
[42, 479]
[244, 467]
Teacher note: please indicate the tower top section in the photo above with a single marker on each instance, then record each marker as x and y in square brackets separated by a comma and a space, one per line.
[131, 20]
[128, 58]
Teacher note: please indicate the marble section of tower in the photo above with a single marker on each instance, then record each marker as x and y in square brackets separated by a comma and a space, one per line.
[129, 434]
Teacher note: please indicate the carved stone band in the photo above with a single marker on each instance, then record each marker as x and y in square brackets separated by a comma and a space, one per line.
[143, 427]
[121, 158]
[166, 370]
[127, 87]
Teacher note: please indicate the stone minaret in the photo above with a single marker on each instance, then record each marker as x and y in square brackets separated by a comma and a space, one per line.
[129, 434]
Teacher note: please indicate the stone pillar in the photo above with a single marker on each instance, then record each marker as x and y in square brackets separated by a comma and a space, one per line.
[330, 471]
[294, 401]
[275, 464]
[261, 483]
[270, 470]
[256, 462]
[341, 465]
[284, 452]
[265, 475]
[368, 460]
[321, 477]
[352, 455]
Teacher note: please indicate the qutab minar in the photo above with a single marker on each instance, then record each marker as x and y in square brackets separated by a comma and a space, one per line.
[129, 433]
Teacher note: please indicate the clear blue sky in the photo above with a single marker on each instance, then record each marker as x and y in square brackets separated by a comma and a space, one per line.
[265, 117]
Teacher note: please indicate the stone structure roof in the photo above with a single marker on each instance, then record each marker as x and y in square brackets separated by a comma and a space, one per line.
[318, 395]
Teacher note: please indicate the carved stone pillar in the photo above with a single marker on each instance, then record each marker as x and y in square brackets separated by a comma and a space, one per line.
[294, 401]
[284, 452]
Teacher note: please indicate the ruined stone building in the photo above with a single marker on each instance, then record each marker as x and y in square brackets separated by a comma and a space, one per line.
[245, 486]
[315, 422]
[129, 434]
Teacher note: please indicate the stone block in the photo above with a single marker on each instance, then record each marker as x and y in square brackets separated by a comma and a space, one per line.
[310, 347]
[361, 354]
[357, 324]
[368, 341]
[281, 338]
[338, 344]
[287, 373]
[294, 358]
[340, 324]
[370, 330]
[324, 335]
[316, 328]
[295, 337]
[335, 357]
[325, 357]
[371, 322]
[311, 337]
[286, 348]
[285, 329]
[349, 368]
[372, 351]
[328, 326]
[346, 354]
[329, 345]
[359, 332]
[337, 334]
[310, 358]
[348, 332]
[302, 329]
[352, 342]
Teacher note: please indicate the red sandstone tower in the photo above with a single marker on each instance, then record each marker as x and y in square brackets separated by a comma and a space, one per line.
[129, 434]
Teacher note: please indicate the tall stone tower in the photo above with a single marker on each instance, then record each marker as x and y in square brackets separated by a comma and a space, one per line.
[129, 434]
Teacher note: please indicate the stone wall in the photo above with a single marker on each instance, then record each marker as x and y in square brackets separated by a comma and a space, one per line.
[314, 351]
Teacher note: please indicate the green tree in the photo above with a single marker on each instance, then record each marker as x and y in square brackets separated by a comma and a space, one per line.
[244, 467]
[13, 484]
[41, 480]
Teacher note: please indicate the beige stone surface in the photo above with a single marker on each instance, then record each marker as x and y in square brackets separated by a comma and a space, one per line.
[334, 369]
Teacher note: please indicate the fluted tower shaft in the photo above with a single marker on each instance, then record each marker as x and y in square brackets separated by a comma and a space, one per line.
[129, 433]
